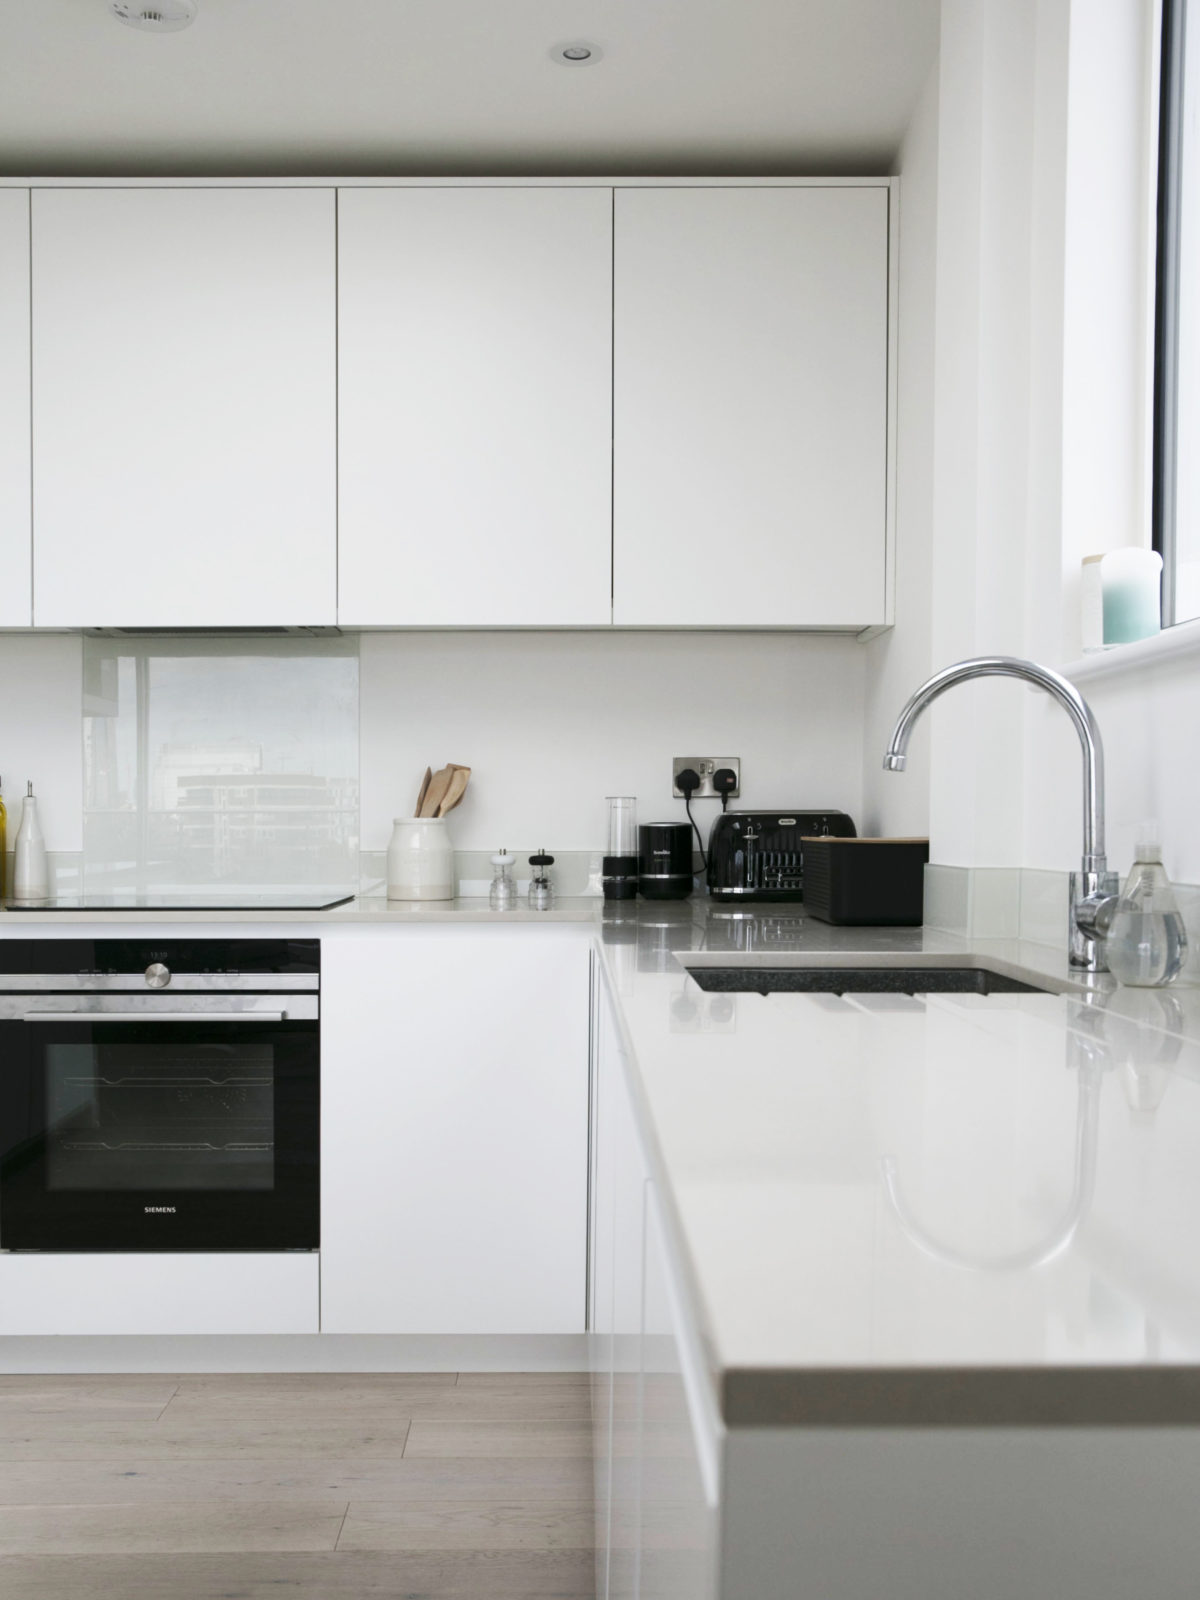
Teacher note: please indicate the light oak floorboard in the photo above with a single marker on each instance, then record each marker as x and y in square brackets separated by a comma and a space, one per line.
[543, 1437]
[239, 1487]
[17, 1421]
[253, 1386]
[413, 1480]
[35, 1396]
[348, 1575]
[22, 1383]
[450, 1405]
[58, 1438]
[540, 1437]
[534, 1383]
[480, 1525]
[178, 1528]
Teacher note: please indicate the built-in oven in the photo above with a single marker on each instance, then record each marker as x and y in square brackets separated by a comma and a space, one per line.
[159, 1094]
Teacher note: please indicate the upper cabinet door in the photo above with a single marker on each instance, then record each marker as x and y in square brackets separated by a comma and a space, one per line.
[183, 407]
[15, 603]
[474, 402]
[750, 406]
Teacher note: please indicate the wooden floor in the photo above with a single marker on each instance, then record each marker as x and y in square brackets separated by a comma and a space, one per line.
[332, 1486]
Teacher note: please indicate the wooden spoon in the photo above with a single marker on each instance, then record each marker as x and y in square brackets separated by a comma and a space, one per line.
[455, 790]
[423, 791]
[436, 792]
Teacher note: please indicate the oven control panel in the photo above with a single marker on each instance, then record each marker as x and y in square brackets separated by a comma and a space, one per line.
[68, 965]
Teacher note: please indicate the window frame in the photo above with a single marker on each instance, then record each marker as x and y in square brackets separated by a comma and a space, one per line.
[1166, 296]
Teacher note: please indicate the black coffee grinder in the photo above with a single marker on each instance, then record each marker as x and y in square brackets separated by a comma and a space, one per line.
[665, 860]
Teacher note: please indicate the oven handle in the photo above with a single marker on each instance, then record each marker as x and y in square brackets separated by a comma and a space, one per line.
[154, 1016]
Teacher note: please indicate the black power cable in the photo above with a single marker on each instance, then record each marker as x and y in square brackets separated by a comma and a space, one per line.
[689, 781]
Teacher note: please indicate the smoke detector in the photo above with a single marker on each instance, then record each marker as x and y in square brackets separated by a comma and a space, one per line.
[154, 16]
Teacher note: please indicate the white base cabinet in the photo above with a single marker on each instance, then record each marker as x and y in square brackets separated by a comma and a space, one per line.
[454, 1109]
[658, 1436]
[690, 1510]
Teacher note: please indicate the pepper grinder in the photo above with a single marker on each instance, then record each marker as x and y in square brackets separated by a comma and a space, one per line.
[503, 894]
[541, 888]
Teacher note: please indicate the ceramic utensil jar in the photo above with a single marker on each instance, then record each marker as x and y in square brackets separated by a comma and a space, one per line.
[420, 860]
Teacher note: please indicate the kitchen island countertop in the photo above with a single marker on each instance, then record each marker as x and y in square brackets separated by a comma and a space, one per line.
[921, 1211]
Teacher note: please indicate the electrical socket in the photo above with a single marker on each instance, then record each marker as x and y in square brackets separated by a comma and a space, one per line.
[706, 766]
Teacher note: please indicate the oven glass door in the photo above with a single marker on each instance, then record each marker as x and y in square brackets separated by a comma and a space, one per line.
[181, 1135]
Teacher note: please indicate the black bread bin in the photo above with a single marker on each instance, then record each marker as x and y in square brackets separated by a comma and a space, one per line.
[877, 883]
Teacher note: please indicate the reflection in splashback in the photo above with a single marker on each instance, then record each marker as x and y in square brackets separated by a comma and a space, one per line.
[220, 761]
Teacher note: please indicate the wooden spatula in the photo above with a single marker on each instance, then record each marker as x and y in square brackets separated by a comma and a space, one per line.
[424, 790]
[436, 792]
[455, 789]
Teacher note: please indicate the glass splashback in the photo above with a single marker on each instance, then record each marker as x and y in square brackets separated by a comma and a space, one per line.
[220, 761]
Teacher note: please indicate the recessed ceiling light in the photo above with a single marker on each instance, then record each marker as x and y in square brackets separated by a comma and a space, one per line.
[154, 16]
[577, 53]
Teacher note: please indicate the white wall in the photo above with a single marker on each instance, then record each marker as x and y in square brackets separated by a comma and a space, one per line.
[1149, 719]
[551, 723]
[898, 661]
[1040, 422]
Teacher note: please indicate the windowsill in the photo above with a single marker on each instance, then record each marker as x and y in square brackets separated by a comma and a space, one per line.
[1169, 645]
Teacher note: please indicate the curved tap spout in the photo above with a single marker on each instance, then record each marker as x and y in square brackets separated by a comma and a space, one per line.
[1093, 888]
[1067, 695]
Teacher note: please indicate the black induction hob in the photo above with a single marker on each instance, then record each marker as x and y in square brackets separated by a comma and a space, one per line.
[231, 899]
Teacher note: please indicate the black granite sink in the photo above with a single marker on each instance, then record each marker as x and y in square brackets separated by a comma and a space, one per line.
[860, 980]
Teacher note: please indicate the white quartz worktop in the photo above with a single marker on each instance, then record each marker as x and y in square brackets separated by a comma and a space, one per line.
[894, 1210]
[363, 908]
[923, 1210]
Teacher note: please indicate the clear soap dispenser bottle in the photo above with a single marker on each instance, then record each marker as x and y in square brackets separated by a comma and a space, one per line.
[1146, 943]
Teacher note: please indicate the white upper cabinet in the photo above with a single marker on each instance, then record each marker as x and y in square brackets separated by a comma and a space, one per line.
[184, 420]
[15, 601]
[751, 406]
[475, 337]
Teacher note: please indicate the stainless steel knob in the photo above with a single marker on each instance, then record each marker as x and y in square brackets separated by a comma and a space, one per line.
[157, 976]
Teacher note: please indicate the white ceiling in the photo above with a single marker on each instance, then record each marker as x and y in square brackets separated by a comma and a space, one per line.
[466, 86]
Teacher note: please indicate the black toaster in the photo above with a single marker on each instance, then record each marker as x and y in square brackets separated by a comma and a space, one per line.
[758, 855]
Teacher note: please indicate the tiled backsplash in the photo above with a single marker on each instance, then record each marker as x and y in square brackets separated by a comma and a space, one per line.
[1025, 903]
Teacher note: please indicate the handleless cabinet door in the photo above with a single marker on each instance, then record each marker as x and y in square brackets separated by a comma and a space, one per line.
[474, 406]
[184, 407]
[454, 1130]
[15, 604]
[750, 406]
